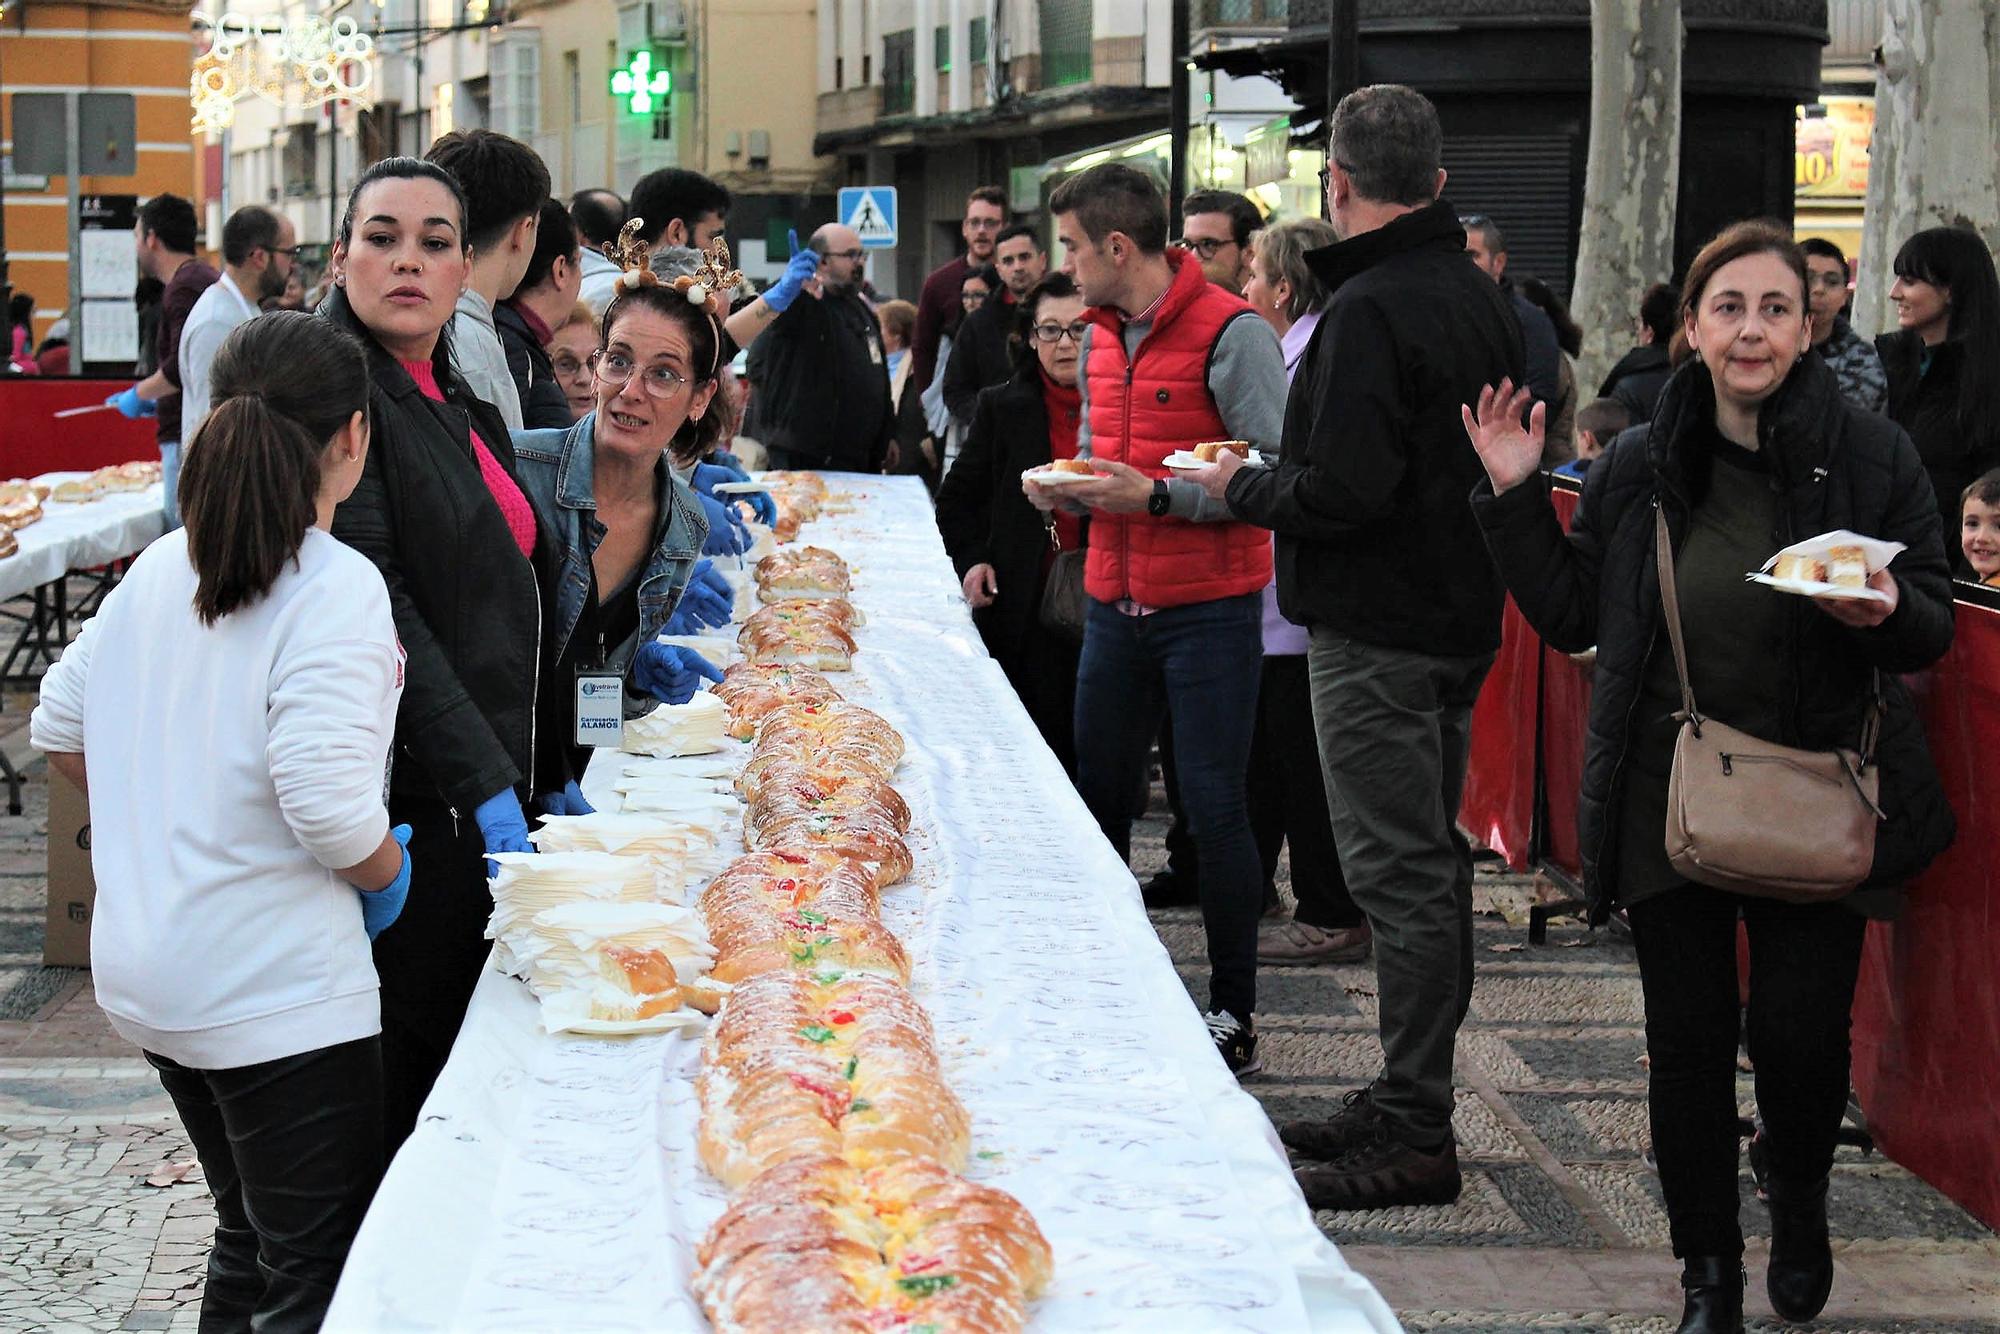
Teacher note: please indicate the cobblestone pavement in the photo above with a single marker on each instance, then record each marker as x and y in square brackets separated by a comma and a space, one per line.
[104, 1221]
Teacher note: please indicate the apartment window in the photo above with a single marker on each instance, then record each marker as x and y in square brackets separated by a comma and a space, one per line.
[976, 41]
[375, 130]
[1234, 13]
[839, 72]
[516, 82]
[899, 71]
[301, 160]
[1065, 42]
[444, 110]
[941, 48]
[573, 81]
[867, 68]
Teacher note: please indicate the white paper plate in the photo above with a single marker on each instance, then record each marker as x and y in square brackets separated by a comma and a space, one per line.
[1183, 460]
[1813, 589]
[741, 488]
[1043, 477]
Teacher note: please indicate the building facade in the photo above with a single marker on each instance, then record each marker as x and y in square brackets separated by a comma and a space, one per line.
[92, 46]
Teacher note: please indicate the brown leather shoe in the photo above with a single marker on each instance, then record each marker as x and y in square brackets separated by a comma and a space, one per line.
[1282, 941]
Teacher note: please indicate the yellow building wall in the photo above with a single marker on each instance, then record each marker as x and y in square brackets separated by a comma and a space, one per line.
[145, 50]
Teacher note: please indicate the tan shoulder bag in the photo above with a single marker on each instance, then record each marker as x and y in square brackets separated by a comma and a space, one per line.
[1756, 818]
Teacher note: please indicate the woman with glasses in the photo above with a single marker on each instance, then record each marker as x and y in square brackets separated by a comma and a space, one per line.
[441, 513]
[626, 532]
[998, 542]
[570, 347]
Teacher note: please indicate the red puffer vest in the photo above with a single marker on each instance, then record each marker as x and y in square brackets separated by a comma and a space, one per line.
[1140, 412]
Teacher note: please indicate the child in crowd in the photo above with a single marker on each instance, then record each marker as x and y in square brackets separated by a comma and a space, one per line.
[229, 713]
[1596, 426]
[1979, 528]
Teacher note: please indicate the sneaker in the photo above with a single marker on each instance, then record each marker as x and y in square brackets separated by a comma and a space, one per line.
[1236, 1041]
[1282, 941]
[1382, 1173]
[1356, 1123]
[1166, 890]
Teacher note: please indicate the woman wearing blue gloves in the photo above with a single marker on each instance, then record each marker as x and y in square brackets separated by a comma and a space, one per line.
[626, 530]
[440, 512]
[229, 712]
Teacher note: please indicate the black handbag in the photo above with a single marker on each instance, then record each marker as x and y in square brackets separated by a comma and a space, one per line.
[1063, 601]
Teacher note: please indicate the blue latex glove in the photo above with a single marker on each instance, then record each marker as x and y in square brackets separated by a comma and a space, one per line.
[699, 611]
[503, 825]
[722, 458]
[803, 268]
[726, 533]
[380, 908]
[128, 402]
[760, 502]
[669, 674]
[707, 576]
[569, 801]
[708, 475]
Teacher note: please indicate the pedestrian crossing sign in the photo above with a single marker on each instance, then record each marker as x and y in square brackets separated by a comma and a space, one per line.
[871, 211]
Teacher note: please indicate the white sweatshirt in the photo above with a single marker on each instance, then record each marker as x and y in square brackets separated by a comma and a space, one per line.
[230, 767]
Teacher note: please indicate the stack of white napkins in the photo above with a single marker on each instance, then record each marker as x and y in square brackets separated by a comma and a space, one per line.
[579, 966]
[699, 790]
[698, 727]
[681, 848]
[532, 882]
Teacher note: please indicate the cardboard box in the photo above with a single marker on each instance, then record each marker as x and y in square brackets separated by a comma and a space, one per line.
[72, 886]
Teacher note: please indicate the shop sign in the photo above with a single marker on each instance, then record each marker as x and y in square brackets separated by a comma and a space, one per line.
[1267, 153]
[1831, 152]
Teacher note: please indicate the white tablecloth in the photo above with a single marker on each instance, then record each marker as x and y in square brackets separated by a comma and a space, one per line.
[553, 1182]
[76, 537]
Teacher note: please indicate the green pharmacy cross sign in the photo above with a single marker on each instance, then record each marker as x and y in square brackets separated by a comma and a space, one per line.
[639, 83]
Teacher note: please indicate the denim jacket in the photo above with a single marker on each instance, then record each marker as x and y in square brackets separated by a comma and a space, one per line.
[555, 471]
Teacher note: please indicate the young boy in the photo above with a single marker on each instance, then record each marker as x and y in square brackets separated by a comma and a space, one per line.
[1596, 426]
[1979, 528]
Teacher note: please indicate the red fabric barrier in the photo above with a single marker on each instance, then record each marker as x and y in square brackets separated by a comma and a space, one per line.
[1927, 1015]
[1565, 706]
[1498, 805]
[33, 440]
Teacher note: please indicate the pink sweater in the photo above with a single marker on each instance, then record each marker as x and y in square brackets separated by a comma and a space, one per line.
[514, 506]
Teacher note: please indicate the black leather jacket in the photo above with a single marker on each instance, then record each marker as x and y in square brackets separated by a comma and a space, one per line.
[544, 406]
[465, 600]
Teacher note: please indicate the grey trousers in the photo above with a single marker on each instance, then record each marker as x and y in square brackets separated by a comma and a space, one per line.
[1394, 728]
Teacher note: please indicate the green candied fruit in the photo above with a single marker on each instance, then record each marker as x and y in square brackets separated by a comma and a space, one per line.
[927, 1285]
[816, 1033]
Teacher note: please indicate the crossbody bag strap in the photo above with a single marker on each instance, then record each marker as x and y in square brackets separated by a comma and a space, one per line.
[1663, 550]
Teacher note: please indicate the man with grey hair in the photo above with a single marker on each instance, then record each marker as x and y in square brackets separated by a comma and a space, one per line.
[822, 378]
[1379, 557]
[1487, 245]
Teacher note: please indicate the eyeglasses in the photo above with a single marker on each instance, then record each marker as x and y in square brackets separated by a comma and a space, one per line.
[615, 368]
[288, 251]
[568, 366]
[973, 298]
[1051, 332]
[983, 224]
[1205, 246]
[856, 255]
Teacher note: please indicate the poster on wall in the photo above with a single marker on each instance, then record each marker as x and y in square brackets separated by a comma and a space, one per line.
[1831, 153]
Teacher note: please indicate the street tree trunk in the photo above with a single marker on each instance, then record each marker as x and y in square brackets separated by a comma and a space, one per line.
[1632, 179]
[1932, 160]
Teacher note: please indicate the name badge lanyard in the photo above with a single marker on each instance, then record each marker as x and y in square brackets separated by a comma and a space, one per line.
[600, 703]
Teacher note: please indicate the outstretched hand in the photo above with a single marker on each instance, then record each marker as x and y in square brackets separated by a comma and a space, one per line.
[1510, 451]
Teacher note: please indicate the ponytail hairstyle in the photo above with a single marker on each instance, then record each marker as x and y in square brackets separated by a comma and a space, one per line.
[283, 384]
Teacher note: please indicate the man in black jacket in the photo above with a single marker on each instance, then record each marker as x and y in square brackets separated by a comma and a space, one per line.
[983, 354]
[1640, 375]
[1488, 247]
[822, 379]
[1379, 557]
[528, 319]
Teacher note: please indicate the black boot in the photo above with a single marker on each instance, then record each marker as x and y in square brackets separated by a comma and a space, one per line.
[1800, 1275]
[1714, 1302]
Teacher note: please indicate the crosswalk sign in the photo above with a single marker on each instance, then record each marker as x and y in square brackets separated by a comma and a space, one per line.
[871, 211]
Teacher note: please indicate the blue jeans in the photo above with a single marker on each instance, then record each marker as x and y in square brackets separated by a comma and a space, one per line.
[170, 482]
[1198, 664]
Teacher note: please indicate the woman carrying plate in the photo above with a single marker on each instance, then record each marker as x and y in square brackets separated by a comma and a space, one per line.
[1752, 448]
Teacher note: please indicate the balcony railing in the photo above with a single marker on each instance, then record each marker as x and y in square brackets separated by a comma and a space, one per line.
[1241, 13]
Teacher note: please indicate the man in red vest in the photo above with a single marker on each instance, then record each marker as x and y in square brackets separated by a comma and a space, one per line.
[1174, 624]
[1379, 556]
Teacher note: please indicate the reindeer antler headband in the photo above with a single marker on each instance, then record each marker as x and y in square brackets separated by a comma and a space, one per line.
[705, 287]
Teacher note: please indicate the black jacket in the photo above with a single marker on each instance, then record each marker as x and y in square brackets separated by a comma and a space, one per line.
[1637, 379]
[980, 355]
[823, 386]
[1835, 467]
[1540, 348]
[985, 519]
[1926, 405]
[543, 403]
[466, 601]
[1368, 495]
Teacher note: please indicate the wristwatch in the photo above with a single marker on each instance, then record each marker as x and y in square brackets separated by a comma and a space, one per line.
[1157, 503]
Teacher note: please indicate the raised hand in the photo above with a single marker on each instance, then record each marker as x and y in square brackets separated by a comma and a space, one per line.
[1510, 452]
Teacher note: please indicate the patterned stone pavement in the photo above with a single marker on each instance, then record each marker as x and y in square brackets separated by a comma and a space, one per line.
[104, 1226]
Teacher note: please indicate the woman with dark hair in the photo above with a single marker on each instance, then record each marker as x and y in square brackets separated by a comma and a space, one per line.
[441, 513]
[227, 942]
[946, 430]
[627, 534]
[1753, 448]
[1943, 362]
[999, 543]
[21, 334]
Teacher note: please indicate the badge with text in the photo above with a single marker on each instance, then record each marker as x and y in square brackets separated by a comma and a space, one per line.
[600, 708]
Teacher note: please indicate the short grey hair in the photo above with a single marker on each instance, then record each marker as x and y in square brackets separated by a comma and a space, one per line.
[1281, 257]
[1386, 137]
